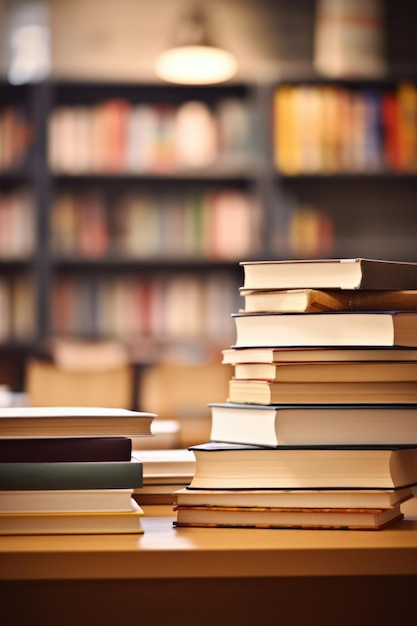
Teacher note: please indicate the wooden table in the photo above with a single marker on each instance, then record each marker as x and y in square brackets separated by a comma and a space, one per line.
[211, 576]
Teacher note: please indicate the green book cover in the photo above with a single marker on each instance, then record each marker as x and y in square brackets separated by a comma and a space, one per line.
[71, 475]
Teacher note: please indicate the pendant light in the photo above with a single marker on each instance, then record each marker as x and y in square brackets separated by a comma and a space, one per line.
[193, 59]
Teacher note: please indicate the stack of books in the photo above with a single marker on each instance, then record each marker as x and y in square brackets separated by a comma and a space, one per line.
[70, 470]
[320, 426]
[164, 471]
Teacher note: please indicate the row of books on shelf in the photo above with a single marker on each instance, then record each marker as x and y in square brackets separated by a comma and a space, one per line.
[16, 136]
[173, 307]
[138, 226]
[17, 224]
[319, 428]
[70, 470]
[302, 230]
[330, 129]
[17, 305]
[117, 135]
[145, 225]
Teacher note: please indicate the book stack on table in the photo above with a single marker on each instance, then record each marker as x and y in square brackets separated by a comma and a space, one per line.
[320, 426]
[164, 471]
[70, 470]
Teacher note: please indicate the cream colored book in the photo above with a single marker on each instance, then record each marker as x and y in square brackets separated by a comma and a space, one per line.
[312, 498]
[63, 421]
[357, 273]
[231, 356]
[73, 523]
[370, 328]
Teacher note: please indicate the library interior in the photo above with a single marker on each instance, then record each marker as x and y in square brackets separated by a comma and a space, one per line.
[208, 234]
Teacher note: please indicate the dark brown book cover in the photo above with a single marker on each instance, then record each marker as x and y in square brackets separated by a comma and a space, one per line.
[65, 449]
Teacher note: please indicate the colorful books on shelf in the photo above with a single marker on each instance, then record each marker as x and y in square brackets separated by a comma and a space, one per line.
[67, 470]
[137, 226]
[318, 430]
[365, 129]
[147, 309]
[117, 135]
[16, 136]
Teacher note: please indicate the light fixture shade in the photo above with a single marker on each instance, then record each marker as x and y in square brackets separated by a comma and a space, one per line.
[193, 59]
[193, 65]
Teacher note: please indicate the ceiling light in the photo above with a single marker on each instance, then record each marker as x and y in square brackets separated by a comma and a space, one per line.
[193, 59]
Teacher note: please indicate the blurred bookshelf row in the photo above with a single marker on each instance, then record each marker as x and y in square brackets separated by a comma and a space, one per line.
[125, 209]
[117, 135]
[333, 128]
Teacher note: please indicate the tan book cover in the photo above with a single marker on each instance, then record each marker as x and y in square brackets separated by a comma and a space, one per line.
[316, 300]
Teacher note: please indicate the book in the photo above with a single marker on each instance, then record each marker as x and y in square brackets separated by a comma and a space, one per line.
[357, 273]
[160, 465]
[263, 517]
[66, 500]
[71, 475]
[65, 449]
[316, 300]
[235, 466]
[62, 421]
[314, 424]
[72, 523]
[294, 498]
[380, 328]
[164, 471]
[277, 392]
[231, 356]
[158, 494]
[351, 371]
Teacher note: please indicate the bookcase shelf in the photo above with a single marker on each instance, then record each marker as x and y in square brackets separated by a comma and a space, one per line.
[365, 212]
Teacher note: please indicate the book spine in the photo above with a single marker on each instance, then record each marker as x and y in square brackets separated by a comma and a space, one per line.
[74, 475]
[65, 449]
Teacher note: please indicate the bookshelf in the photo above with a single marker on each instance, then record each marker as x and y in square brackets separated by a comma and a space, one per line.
[124, 211]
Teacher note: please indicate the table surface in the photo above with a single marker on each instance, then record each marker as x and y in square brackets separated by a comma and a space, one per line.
[166, 552]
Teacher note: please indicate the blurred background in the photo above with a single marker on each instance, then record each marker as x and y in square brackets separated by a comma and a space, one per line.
[128, 198]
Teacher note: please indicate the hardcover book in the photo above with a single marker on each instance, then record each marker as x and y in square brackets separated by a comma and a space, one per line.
[316, 300]
[357, 273]
[234, 466]
[358, 392]
[294, 498]
[65, 449]
[381, 328]
[61, 421]
[66, 500]
[262, 517]
[351, 371]
[314, 424]
[277, 354]
[73, 523]
[71, 475]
